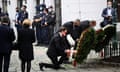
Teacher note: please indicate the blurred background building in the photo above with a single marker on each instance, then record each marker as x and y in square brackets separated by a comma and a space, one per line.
[66, 10]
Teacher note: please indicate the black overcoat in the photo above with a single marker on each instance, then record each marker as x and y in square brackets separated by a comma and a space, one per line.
[57, 46]
[6, 38]
[26, 37]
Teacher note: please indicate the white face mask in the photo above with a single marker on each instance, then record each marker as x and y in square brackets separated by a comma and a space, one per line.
[50, 10]
[109, 6]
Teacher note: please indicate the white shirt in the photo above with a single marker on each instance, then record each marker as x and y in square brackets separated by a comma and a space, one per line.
[109, 12]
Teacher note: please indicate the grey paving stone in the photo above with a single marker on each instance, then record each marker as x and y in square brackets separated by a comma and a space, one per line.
[40, 56]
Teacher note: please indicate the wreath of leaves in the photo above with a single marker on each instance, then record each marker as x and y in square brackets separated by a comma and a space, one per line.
[103, 37]
[84, 44]
[91, 39]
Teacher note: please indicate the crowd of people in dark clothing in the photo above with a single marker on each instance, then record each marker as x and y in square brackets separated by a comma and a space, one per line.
[44, 23]
[26, 37]
[43, 31]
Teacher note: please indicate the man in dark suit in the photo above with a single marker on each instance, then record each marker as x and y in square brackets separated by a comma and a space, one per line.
[86, 24]
[37, 23]
[45, 24]
[108, 14]
[73, 28]
[6, 38]
[23, 14]
[53, 20]
[56, 48]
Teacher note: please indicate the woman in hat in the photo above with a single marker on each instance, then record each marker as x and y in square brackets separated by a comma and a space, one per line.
[26, 37]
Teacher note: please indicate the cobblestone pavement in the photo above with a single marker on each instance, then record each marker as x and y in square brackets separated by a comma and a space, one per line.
[40, 56]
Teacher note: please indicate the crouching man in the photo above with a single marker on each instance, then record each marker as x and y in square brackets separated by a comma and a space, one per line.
[57, 48]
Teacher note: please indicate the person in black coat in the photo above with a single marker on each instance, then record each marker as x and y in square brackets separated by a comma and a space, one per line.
[6, 38]
[38, 29]
[73, 28]
[45, 25]
[56, 48]
[53, 20]
[86, 24]
[26, 37]
[83, 26]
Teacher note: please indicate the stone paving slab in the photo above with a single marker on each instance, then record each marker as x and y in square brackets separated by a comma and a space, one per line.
[40, 56]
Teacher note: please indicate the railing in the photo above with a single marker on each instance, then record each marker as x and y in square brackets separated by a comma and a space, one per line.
[110, 51]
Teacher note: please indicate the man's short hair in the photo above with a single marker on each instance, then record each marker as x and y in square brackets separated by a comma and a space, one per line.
[5, 19]
[50, 7]
[24, 6]
[93, 22]
[109, 1]
[78, 20]
[46, 9]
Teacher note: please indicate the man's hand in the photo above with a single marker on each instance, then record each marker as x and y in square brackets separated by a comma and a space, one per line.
[46, 24]
[77, 40]
[68, 51]
[37, 20]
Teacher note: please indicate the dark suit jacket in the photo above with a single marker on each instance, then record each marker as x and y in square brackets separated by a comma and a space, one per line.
[48, 19]
[69, 26]
[57, 46]
[84, 25]
[75, 31]
[6, 38]
[53, 18]
[38, 24]
[22, 16]
[26, 37]
[104, 13]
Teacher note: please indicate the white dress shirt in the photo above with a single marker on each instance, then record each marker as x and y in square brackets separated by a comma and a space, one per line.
[109, 12]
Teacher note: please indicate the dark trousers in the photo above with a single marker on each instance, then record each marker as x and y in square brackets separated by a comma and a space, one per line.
[39, 35]
[18, 26]
[106, 22]
[23, 66]
[51, 31]
[55, 61]
[4, 62]
[45, 34]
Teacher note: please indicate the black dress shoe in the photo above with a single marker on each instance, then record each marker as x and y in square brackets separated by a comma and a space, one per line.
[41, 65]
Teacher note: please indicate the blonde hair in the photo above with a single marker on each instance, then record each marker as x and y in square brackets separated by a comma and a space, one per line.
[27, 22]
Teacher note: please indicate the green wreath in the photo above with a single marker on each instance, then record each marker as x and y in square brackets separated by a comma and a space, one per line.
[84, 44]
[91, 39]
[103, 37]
